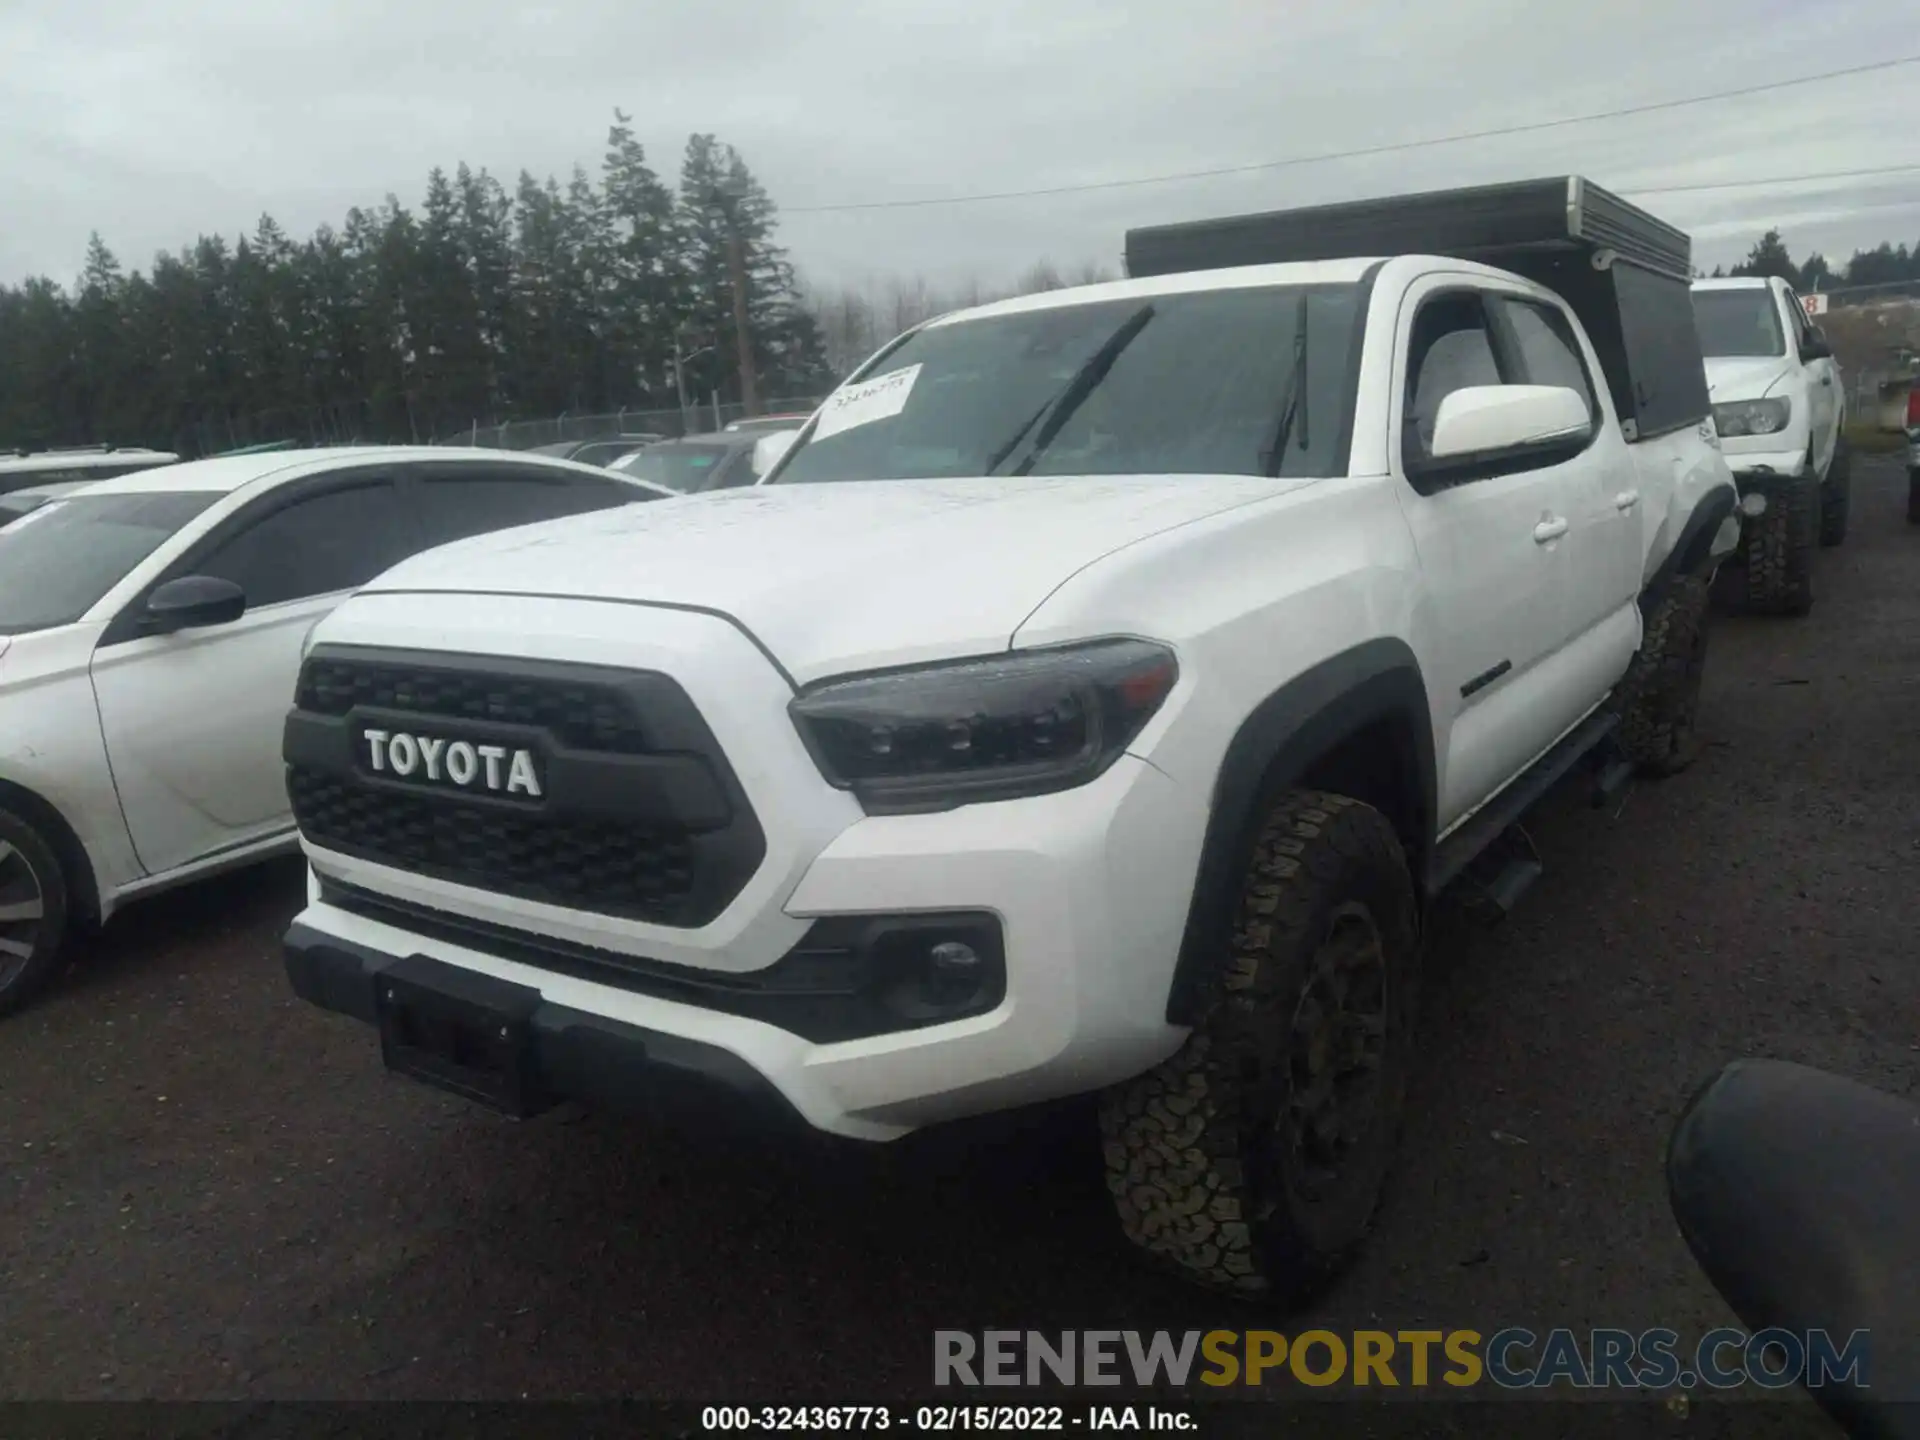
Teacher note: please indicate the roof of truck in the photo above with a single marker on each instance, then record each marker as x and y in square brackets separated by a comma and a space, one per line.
[1735, 282]
[1245, 277]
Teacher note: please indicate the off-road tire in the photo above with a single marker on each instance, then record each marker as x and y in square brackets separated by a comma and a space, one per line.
[1659, 700]
[1836, 495]
[1196, 1162]
[1913, 497]
[1779, 550]
[30, 877]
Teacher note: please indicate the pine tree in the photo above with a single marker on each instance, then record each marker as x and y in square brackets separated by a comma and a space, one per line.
[648, 290]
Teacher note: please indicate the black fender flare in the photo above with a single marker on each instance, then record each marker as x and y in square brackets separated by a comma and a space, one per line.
[1690, 549]
[1275, 745]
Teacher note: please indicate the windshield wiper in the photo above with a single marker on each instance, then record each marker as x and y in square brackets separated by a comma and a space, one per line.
[1273, 457]
[1046, 422]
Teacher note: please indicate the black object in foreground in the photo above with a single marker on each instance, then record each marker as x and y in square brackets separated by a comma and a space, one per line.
[1799, 1194]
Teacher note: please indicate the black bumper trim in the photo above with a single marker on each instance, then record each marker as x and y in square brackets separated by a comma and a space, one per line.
[577, 1055]
[845, 980]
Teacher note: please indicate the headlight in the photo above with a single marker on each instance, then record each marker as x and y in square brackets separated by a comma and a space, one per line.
[1752, 417]
[940, 736]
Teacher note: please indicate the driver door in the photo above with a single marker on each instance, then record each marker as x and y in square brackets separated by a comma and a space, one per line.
[193, 719]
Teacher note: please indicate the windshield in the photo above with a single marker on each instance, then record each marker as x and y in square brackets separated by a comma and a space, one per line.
[1167, 384]
[1738, 323]
[57, 561]
[685, 468]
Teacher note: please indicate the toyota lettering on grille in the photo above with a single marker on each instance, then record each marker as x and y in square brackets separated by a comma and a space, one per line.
[459, 763]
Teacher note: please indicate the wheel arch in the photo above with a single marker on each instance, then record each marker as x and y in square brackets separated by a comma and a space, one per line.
[1694, 543]
[1356, 724]
[83, 887]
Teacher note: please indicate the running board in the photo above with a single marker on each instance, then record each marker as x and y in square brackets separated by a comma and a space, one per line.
[1472, 839]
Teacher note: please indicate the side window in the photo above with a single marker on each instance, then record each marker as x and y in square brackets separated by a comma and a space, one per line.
[456, 504]
[1450, 350]
[1797, 318]
[336, 540]
[1545, 349]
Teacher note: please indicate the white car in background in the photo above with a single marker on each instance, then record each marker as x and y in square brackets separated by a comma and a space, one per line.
[1779, 407]
[150, 635]
[22, 468]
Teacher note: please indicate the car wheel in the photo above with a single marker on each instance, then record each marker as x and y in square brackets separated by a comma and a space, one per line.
[1252, 1161]
[33, 911]
[1660, 696]
[1836, 495]
[1779, 550]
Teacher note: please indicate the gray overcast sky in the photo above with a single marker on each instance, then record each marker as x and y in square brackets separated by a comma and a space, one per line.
[154, 123]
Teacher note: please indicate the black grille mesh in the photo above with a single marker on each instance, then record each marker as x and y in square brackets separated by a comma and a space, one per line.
[583, 864]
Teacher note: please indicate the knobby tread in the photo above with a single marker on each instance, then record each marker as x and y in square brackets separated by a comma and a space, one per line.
[1836, 495]
[45, 960]
[1659, 699]
[1182, 1141]
[1779, 549]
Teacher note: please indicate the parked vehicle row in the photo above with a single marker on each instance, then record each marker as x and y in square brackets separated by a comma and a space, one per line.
[1092, 698]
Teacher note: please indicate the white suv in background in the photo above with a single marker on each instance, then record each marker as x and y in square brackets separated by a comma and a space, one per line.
[1779, 407]
[150, 633]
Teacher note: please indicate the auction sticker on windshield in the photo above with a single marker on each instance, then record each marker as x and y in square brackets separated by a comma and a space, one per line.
[878, 399]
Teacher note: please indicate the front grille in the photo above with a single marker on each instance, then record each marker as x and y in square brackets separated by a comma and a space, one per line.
[584, 714]
[642, 818]
[594, 865]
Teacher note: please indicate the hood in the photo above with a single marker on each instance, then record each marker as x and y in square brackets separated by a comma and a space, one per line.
[836, 577]
[1741, 377]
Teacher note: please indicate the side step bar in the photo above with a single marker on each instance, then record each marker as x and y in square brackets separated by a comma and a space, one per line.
[1473, 839]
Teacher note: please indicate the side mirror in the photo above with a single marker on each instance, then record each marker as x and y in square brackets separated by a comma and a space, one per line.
[1492, 422]
[1816, 346]
[193, 602]
[769, 450]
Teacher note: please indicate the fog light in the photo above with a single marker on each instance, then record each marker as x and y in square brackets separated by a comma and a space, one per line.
[1753, 505]
[955, 960]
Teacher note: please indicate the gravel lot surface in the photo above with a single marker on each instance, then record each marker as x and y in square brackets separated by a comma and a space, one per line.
[210, 1190]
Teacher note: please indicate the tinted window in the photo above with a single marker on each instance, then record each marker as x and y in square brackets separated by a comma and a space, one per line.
[333, 541]
[1738, 323]
[57, 561]
[1546, 349]
[456, 505]
[1451, 350]
[1197, 385]
[1662, 349]
[685, 467]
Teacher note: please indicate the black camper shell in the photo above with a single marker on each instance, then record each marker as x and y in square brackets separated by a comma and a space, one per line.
[1625, 274]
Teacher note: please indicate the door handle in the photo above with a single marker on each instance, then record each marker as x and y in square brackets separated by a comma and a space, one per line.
[1552, 528]
[1626, 500]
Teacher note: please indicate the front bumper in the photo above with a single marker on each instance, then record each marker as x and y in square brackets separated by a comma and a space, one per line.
[574, 1053]
[1090, 905]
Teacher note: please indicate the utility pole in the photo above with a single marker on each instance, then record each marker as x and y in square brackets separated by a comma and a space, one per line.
[742, 331]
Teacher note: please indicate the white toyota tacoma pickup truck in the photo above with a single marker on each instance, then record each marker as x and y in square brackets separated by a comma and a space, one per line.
[1091, 700]
[1780, 409]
